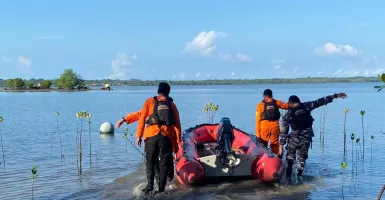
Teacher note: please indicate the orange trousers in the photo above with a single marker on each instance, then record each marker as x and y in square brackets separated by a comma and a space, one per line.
[270, 134]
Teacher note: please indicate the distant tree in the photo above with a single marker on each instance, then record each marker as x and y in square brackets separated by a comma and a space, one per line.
[46, 84]
[9, 83]
[18, 83]
[30, 85]
[69, 80]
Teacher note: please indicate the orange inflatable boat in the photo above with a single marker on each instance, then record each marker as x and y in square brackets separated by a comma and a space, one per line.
[223, 151]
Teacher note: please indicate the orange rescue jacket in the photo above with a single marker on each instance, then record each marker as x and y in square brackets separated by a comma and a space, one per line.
[260, 124]
[172, 131]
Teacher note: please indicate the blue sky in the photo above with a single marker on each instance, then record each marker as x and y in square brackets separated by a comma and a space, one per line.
[191, 39]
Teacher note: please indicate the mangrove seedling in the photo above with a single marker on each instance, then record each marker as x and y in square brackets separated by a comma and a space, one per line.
[357, 151]
[57, 129]
[343, 166]
[210, 109]
[81, 115]
[34, 175]
[125, 137]
[382, 79]
[352, 136]
[322, 126]
[371, 147]
[89, 116]
[346, 111]
[1, 137]
[362, 112]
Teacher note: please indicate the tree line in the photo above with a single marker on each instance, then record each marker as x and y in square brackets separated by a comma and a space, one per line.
[71, 80]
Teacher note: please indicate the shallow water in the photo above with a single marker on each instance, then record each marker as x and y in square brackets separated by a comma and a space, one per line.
[116, 171]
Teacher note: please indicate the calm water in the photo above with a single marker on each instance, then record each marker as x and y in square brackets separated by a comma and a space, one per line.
[116, 171]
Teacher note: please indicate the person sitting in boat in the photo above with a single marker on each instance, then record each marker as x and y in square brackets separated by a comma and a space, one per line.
[267, 120]
[300, 120]
[133, 117]
[162, 124]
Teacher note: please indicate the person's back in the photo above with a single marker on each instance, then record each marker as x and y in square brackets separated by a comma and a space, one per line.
[162, 125]
[267, 120]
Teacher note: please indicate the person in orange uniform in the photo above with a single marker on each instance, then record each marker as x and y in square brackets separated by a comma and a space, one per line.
[267, 120]
[162, 124]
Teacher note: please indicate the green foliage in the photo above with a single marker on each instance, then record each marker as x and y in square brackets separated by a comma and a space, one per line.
[382, 79]
[352, 136]
[34, 172]
[16, 83]
[372, 137]
[30, 85]
[1, 119]
[69, 80]
[46, 84]
[210, 109]
[343, 165]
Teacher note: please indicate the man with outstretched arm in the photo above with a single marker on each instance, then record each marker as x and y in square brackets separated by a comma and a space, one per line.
[158, 123]
[300, 120]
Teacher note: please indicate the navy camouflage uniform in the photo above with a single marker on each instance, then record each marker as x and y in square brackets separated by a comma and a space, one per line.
[299, 141]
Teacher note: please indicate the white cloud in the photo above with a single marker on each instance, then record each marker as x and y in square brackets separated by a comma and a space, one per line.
[232, 73]
[179, 76]
[339, 71]
[24, 61]
[204, 42]
[198, 74]
[277, 67]
[225, 56]
[320, 72]
[50, 37]
[5, 59]
[295, 69]
[243, 57]
[338, 49]
[120, 64]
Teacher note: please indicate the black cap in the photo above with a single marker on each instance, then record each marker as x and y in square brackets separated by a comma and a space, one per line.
[268, 93]
[294, 99]
[164, 88]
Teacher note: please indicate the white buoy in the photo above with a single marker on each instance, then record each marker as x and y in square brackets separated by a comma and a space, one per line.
[107, 128]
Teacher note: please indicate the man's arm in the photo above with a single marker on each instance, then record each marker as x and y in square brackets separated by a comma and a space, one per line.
[178, 127]
[258, 120]
[311, 105]
[142, 119]
[129, 118]
[285, 130]
[282, 105]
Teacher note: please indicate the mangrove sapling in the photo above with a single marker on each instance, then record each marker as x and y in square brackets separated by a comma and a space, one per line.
[352, 138]
[34, 175]
[362, 112]
[57, 129]
[210, 109]
[343, 166]
[324, 112]
[371, 147]
[382, 79]
[346, 110]
[81, 115]
[89, 116]
[126, 138]
[1, 138]
[357, 152]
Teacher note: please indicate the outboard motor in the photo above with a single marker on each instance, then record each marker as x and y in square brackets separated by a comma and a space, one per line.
[225, 137]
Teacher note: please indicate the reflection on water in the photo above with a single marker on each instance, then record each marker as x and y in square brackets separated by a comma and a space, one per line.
[117, 171]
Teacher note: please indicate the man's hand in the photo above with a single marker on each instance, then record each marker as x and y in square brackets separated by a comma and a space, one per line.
[119, 123]
[342, 95]
[280, 151]
[139, 142]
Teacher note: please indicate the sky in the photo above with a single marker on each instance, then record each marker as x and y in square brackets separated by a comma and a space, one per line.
[192, 40]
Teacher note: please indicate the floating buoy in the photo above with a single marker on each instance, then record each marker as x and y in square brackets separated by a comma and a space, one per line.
[107, 128]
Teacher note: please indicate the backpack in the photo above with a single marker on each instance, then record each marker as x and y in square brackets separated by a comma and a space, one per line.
[300, 118]
[162, 114]
[271, 111]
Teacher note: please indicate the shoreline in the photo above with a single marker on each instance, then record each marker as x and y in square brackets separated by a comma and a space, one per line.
[46, 90]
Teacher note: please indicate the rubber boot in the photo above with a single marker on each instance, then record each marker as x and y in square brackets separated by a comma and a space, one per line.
[289, 170]
[149, 188]
[299, 176]
[170, 175]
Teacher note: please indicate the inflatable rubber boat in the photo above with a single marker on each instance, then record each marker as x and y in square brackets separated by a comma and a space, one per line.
[223, 151]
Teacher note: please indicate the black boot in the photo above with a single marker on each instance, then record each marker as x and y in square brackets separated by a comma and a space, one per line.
[170, 175]
[289, 170]
[149, 188]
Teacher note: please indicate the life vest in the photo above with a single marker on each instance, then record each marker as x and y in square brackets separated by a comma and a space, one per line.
[300, 118]
[271, 111]
[162, 114]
